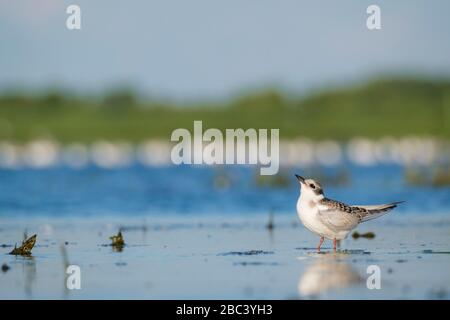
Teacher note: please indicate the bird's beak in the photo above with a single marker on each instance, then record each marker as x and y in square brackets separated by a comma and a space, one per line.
[300, 178]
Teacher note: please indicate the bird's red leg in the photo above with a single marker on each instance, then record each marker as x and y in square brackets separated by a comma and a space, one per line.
[320, 243]
[334, 244]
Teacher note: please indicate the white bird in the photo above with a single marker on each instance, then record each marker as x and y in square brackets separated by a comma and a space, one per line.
[329, 218]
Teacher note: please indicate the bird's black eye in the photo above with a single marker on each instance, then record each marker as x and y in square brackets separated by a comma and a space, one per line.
[312, 186]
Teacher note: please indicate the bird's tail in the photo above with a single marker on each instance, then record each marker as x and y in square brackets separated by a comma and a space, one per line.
[378, 210]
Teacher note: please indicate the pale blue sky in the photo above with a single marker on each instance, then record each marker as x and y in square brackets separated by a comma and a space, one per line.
[192, 49]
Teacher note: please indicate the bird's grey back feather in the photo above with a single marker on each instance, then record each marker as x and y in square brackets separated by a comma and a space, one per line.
[375, 211]
[340, 216]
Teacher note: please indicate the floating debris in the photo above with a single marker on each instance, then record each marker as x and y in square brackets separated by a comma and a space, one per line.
[5, 267]
[117, 240]
[367, 235]
[25, 248]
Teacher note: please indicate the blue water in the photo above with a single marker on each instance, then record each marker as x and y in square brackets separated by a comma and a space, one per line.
[185, 190]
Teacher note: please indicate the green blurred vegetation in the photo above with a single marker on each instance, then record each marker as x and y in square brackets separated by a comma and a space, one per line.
[394, 107]
[436, 176]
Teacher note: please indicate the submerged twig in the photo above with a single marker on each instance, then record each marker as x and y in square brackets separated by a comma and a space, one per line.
[64, 256]
[270, 224]
[25, 248]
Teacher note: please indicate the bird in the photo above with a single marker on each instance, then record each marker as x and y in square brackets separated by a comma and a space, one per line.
[332, 219]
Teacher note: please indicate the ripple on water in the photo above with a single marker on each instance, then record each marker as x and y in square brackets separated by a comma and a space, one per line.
[255, 263]
[429, 251]
[246, 253]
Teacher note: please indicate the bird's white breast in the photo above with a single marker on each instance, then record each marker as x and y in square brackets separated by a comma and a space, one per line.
[308, 212]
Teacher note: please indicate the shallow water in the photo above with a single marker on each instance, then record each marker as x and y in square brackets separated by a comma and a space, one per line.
[188, 236]
[207, 259]
[184, 190]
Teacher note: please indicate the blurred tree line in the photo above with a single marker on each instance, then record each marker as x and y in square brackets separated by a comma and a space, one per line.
[385, 107]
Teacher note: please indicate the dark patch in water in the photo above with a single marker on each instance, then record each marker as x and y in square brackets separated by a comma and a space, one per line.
[372, 260]
[429, 251]
[246, 253]
[399, 252]
[355, 251]
[367, 235]
[438, 294]
[254, 263]
[121, 264]
[5, 267]
[305, 248]
[401, 261]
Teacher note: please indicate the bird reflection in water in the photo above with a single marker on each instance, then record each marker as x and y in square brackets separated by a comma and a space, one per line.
[327, 273]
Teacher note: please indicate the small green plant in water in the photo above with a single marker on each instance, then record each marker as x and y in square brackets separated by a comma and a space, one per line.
[25, 248]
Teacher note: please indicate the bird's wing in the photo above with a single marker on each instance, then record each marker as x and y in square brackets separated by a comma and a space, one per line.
[339, 216]
[375, 211]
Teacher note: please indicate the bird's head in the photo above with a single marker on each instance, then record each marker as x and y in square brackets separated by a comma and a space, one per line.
[310, 188]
